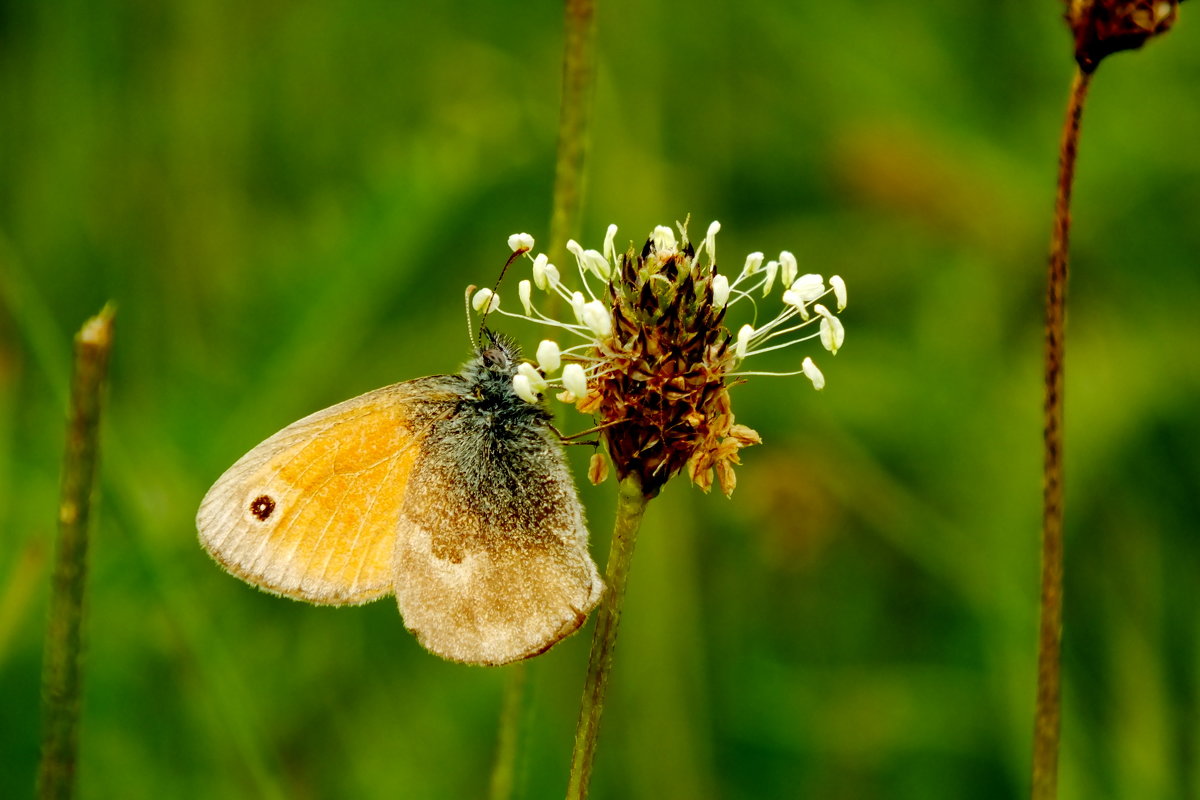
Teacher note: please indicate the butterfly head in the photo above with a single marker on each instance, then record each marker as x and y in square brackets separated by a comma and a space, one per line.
[490, 376]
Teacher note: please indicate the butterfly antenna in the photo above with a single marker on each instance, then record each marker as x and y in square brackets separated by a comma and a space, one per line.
[483, 315]
[467, 307]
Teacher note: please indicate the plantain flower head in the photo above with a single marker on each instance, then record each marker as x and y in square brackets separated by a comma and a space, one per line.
[654, 358]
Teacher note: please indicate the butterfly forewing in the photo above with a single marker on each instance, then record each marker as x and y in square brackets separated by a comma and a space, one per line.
[312, 512]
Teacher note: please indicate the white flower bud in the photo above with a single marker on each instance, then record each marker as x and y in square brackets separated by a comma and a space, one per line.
[520, 242]
[575, 249]
[539, 271]
[813, 374]
[525, 292]
[574, 381]
[577, 304]
[549, 356]
[485, 299]
[593, 260]
[839, 290]
[745, 334]
[552, 278]
[753, 263]
[810, 286]
[598, 319]
[523, 389]
[772, 271]
[720, 290]
[537, 381]
[610, 252]
[664, 240]
[791, 298]
[710, 241]
[790, 268]
[832, 332]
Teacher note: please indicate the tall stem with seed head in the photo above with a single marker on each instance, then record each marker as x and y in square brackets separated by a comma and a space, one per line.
[1100, 28]
[1047, 717]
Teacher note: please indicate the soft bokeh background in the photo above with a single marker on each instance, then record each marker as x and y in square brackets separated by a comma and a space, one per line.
[285, 200]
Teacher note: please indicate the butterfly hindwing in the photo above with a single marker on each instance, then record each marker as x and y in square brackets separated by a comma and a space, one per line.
[311, 512]
[492, 563]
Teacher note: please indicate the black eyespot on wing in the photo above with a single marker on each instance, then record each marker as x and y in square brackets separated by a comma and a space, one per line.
[262, 507]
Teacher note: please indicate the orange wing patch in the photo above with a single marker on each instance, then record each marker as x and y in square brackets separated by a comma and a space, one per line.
[311, 513]
[347, 483]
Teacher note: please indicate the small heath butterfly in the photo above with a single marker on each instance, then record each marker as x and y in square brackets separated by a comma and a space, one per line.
[450, 492]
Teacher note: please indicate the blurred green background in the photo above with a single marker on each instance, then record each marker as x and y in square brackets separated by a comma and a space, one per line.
[286, 199]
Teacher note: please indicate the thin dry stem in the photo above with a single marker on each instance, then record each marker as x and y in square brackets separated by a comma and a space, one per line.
[1047, 719]
[61, 670]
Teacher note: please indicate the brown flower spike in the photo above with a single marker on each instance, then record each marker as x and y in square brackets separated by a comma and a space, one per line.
[657, 360]
[664, 395]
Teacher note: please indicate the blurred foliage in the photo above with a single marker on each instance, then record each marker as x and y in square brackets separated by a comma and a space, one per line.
[285, 200]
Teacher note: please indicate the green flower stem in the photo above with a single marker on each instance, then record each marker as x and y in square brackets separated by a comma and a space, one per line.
[61, 669]
[504, 769]
[579, 76]
[631, 504]
[1047, 717]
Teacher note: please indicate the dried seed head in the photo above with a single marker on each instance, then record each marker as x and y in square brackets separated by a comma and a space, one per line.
[1102, 27]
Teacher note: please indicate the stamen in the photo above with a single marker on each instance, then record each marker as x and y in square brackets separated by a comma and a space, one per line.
[810, 287]
[720, 290]
[710, 239]
[598, 264]
[598, 318]
[520, 242]
[753, 264]
[610, 253]
[790, 268]
[549, 357]
[772, 270]
[664, 241]
[485, 298]
[745, 334]
[540, 275]
[537, 381]
[576, 249]
[832, 332]
[523, 390]
[573, 380]
[525, 292]
[813, 374]
[839, 291]
[577, 304]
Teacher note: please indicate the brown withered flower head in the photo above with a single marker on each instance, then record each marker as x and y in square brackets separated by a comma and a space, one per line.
[1102, 27]
[657, 358]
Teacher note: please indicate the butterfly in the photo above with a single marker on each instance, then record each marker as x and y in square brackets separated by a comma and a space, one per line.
[449, 491]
